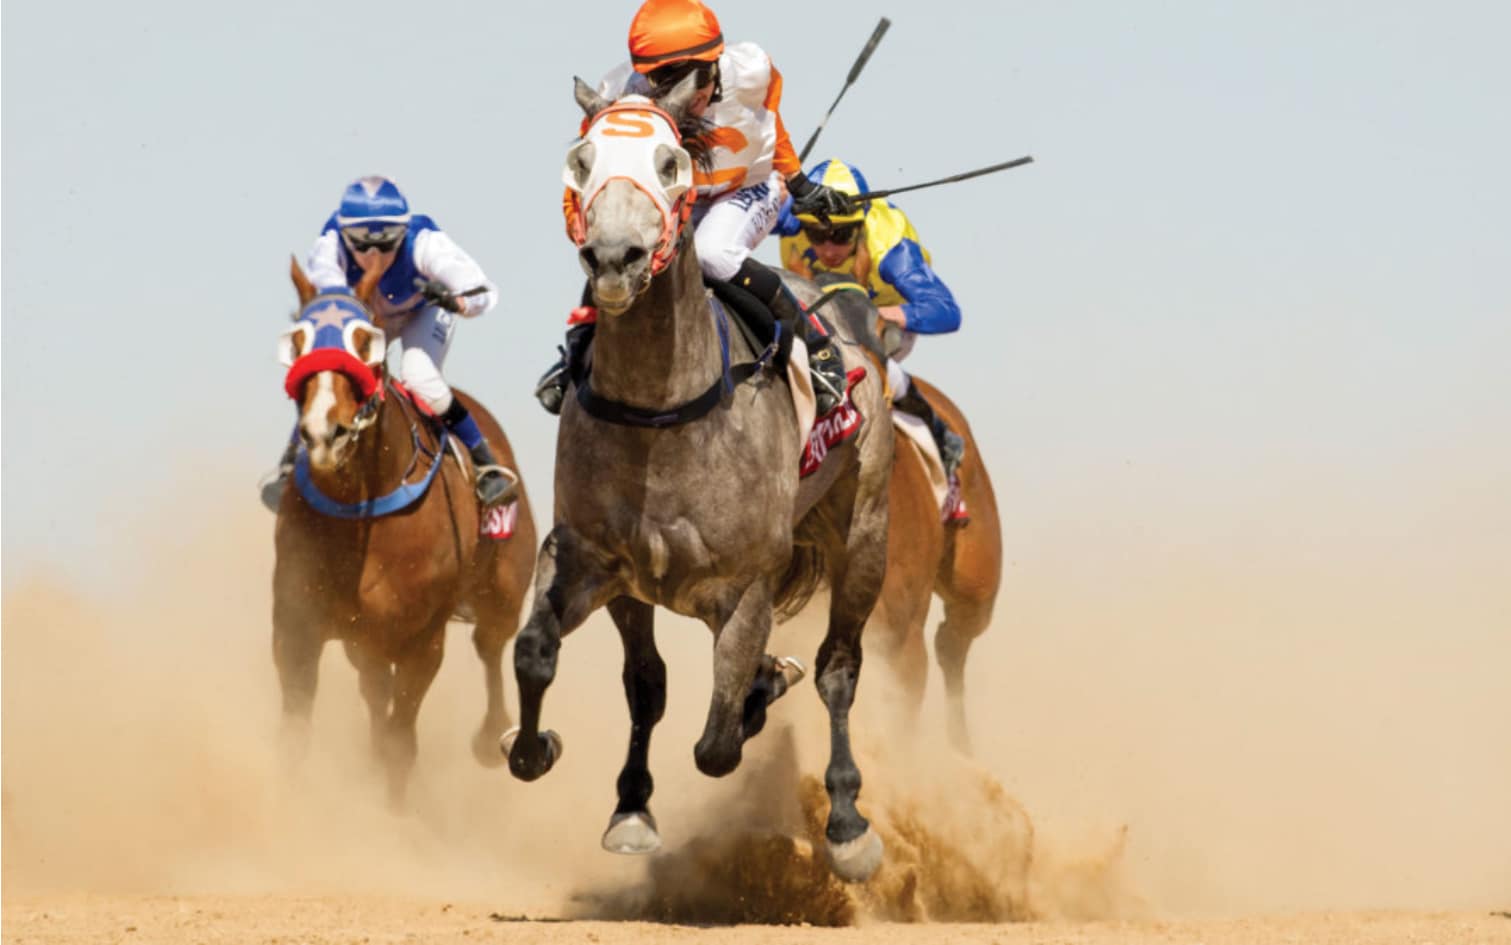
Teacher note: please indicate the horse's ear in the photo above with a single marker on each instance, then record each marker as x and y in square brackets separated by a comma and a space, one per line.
[369, 344]
[588, 99]
[302, 283]
[676, 102]
[369, 285]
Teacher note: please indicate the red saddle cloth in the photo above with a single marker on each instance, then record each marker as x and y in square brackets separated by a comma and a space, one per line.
[833, 428]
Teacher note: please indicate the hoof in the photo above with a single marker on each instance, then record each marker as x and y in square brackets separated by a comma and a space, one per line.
[792, 670]
[485, 748]
[632, 833]
[521, 767]
[855, 860]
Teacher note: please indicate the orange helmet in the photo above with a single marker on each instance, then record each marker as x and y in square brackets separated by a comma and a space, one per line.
[667, 31]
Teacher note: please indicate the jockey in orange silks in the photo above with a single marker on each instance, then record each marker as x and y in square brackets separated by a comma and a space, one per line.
[751, 167]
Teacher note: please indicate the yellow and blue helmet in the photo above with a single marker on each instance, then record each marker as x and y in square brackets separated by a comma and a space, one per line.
[845, 178]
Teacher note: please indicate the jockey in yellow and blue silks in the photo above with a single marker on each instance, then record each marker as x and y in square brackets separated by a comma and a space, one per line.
[876, 246]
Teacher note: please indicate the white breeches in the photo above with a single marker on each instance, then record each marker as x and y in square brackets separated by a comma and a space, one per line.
[426, 337]
[897, 378]
[726, 230]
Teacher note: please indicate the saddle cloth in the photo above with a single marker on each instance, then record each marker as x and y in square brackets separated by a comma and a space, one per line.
[916, 430]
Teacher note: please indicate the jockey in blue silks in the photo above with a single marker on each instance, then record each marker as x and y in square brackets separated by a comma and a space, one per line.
[428, 280]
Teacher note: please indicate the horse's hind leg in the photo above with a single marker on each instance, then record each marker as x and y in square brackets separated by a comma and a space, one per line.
[964, 620]
[414, 671]
[632, 829]
[569, 585]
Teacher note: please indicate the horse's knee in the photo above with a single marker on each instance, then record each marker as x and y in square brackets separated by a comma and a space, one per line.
[535, 657]
[717, 755]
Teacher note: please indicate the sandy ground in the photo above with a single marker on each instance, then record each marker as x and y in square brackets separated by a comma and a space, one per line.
[43, 920]
[1148, 768]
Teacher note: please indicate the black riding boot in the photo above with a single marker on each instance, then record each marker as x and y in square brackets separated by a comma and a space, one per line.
[272, 488]
[494, 484]
[551, 389]
[825, 366]
[951, 444]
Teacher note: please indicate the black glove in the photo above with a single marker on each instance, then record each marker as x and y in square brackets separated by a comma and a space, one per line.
[818, 200]
[436, 293]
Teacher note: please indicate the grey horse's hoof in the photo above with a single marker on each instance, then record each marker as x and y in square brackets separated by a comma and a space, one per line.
[792, 670]
[633, 833]
[553, 752]
[855, 860]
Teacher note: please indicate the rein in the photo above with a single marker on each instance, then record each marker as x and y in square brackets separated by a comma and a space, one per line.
[730, 377]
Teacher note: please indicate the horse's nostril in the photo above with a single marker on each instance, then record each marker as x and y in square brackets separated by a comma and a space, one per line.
[633, 255]
[590, 258]
[339, 430]
[304, 436]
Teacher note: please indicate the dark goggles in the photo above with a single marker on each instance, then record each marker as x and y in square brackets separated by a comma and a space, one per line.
[666, 78]
[384, 239]
[840, 233]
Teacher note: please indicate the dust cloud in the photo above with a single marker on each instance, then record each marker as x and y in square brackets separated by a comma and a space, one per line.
[1159, 747]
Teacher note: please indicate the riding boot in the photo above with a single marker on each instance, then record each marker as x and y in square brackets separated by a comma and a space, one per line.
[272, 487]
[551, 389]
[494, 484]
[825, 367]
[951, 444]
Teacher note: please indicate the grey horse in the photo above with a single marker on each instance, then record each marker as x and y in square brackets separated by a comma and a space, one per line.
[706, 517]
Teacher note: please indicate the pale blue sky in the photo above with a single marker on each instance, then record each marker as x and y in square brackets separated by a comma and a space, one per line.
[1263, 243]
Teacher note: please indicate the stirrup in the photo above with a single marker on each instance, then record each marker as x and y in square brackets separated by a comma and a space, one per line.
[511, 484]
[827, 395]
[551, 390]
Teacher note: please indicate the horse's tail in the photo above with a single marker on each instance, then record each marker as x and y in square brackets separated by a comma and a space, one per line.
[805, 572]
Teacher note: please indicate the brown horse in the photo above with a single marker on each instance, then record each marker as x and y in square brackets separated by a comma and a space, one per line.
[961, 562]
[379, 537]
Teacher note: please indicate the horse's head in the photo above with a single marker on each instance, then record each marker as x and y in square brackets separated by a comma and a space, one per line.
[334, 355]
[630, 190]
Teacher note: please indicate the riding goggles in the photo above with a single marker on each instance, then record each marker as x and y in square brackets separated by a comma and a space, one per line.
[666, 78]
[364, 237]
[839, 233]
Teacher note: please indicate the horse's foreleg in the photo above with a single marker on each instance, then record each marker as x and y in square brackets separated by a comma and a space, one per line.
[569, 585]
[855, 849]
[632, 829]
[488, 638]
[414, 671]
[739, 648]
[297, 642]
[375, 682]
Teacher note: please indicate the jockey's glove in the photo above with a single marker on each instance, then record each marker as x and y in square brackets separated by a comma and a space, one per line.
[436, 293]
[816, 199]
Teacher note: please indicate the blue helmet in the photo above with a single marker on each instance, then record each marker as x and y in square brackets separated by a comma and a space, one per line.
[372, 200]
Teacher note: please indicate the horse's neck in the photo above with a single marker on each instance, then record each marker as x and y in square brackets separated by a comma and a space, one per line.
[664, 351]
[381, 458]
